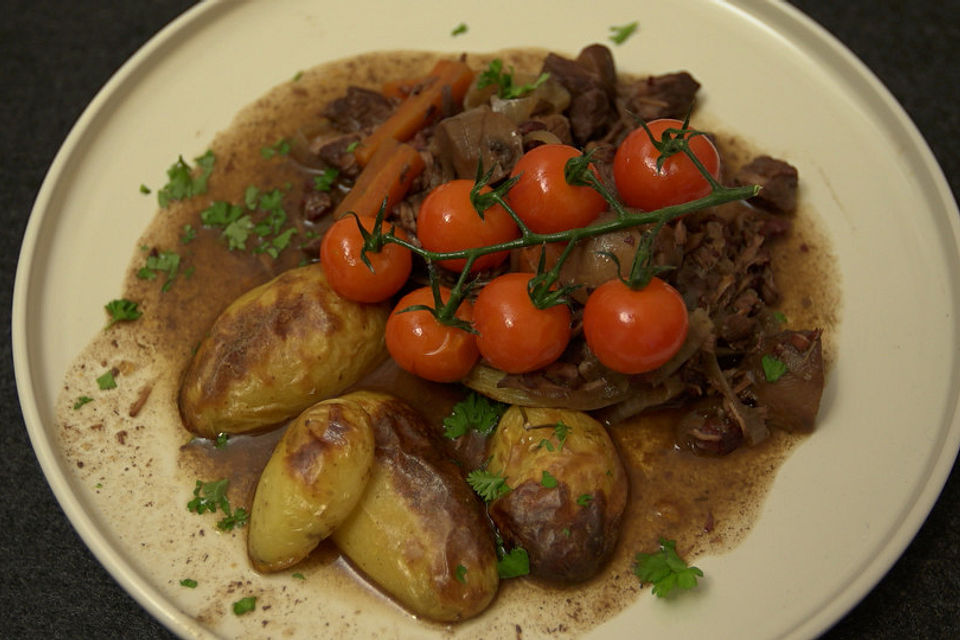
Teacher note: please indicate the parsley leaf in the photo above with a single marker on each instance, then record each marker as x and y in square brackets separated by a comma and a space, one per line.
[514, 563]
[298, 576]
[495, 75]
[281, 147]
[476, 412]
[121, 310]
[221, 442]
[208, 496]
[190, 583]
[459, 29]
[487, 484]
[325, 180]
[773, 368]
[107, 381]
[144, 189]
[167, 262]
[238, 518]
[189, 234]
[461, 574]
[183, 182]
[665, 570]
[244, 605]
[620, 34]
[82, 400]
[548, 480]
[584, 499]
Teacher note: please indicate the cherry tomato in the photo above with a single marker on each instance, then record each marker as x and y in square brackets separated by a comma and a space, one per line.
[543, 198]
[513, 334]
[422, 345]
[346, 271]
[639, 182]
[633, 331]
[447, 221]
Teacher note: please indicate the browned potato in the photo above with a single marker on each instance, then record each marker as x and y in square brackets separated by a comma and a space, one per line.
[275, 351]
[314, 479]
[419, 532]
[568, 490]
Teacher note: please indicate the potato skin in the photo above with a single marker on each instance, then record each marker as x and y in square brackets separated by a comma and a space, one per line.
[316, 475]
[566, 541]
[418, 522]
[275, 351]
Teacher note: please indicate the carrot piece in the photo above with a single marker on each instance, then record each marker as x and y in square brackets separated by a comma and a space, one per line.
[389, 174]
[449, 80]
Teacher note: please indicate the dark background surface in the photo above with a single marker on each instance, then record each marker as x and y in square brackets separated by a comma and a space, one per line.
[54, 57]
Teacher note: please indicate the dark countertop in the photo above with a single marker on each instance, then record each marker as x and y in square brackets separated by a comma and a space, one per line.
[54, 57]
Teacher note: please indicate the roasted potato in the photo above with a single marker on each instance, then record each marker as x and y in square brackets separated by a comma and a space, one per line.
[275, 351]
[316, 475]
[419, 531]
[568, 490]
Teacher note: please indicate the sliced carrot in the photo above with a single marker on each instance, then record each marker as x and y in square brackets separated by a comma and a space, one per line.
[389, 174]
[448, 81]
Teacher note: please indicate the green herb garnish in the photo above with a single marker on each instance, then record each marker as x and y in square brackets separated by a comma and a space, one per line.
[620, 34]
[461, 574]
[183, 183]
[487, 484]
[279, 148]
[475, 412]
[459, 29]
[494, 75]
[513, 563]
[167, 262]
[244, 605]
[190, 583]
[773, 368]
[584, 499]
[665, 570]
[325, 180]
[548, 480]
[107, 381]
[122, 310]
[82, 400]
[208, 496]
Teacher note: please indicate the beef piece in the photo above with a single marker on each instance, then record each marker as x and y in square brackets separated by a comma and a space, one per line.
[334, 153]
[707, 429]
[360, 109]
[480, 134]
[777, 180]
[667, 96]
[591, 82]
[791, 401]
[316, 204]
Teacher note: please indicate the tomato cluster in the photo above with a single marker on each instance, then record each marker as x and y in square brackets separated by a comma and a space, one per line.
[630, 328]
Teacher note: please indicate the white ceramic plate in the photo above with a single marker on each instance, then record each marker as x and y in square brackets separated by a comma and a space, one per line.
[837, 517]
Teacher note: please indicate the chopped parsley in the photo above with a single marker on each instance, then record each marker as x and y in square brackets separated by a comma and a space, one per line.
[475, 412]
[513, 563]
[773, 368]
[183, 182]
[560, 431]
[620, 34]
[166, 262]
[461, 574]
[487, 484]
[353, 146]
[548, 480]
[459, 29]
[298, 576]
[665, 570]
[239, 227]
[279, 148]
[221, 442]
[780, 317]
[189, 234]
[584, 499]
[208, 496]
[122, 310]
[325, 180]
[107, 381]
[244, 605]
[297, 76]
[144, 189]
[82, 400]
[494, 75]
[189, 583]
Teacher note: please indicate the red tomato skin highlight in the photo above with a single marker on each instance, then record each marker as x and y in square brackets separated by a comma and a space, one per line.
[346, 271]
[635, 331]
[543, 199]
[426, 348]
[513, 335]
[447, 222]
[639, 182]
